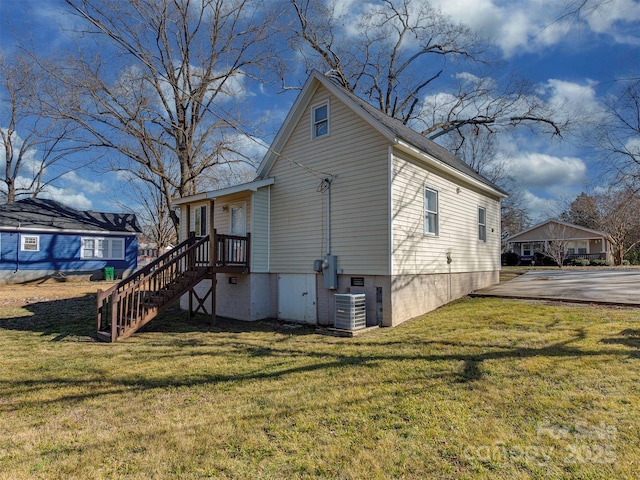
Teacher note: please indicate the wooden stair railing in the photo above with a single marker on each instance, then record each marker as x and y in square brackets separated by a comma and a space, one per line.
[137, 299]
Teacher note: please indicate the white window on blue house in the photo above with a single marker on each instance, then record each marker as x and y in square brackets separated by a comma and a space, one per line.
[30, 243]
[102, 248]
[430, 211]
[320, 120]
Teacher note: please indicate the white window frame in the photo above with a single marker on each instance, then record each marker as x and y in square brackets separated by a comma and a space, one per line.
[482, 224]
[435, 214]
[201, 221]
[316, 123]
[109, 255]
[23, 243]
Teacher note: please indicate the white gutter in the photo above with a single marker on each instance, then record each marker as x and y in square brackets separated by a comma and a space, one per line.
[21, 229]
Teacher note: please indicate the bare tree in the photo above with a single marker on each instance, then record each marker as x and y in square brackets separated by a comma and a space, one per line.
[399, 50]
[152, 213]
[620, 136]
[32, 143]
[154, 82]
[556, 247]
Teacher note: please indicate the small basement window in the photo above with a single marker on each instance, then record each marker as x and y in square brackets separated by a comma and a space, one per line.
[357, 281]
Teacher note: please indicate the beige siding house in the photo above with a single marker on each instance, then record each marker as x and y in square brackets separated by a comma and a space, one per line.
[348, 200]
[576, 241]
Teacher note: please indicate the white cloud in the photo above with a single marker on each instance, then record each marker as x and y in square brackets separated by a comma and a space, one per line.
[540, 209]
[574, 103]
[608, 14]
[84, 184]
[539, 170]
[532, 25]
[67, 197]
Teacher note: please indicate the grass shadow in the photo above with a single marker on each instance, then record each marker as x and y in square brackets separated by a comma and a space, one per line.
[76, 318]
[629, 337]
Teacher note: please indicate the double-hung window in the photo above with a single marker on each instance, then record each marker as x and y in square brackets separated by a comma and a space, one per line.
[430, 211]
[320, 120]
[482, 224]
[102, 248]
[30, 243]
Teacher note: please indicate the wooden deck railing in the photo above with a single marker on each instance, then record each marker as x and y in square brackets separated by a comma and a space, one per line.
[133, 302]
[232, 250]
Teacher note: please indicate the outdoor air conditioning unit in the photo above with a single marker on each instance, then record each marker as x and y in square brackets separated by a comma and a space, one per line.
[351, 311]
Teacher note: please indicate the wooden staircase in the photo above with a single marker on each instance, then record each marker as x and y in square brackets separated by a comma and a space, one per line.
[136, 300]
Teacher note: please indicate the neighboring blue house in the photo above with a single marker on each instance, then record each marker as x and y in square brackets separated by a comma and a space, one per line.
[41, 239]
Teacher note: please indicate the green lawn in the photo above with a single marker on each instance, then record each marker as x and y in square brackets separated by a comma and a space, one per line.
[482, 388]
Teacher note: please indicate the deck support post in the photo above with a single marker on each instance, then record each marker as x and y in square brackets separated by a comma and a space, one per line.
[213, 256]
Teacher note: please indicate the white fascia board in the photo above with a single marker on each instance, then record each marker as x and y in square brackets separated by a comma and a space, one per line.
[408, 148]
[244, 187]
[189, 199]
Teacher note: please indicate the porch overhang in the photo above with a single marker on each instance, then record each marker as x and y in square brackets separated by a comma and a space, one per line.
[213, 194]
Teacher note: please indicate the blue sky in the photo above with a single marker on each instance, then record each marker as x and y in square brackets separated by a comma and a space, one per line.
[574, 63]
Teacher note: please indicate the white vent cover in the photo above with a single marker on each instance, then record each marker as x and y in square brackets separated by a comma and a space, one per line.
[351, 311]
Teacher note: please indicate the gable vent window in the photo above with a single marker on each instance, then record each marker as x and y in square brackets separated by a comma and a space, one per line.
[320, 120]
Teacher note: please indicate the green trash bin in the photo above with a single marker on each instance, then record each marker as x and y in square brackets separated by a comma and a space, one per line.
[109, 274]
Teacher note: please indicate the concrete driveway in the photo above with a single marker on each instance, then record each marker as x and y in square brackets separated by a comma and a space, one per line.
[615, 287]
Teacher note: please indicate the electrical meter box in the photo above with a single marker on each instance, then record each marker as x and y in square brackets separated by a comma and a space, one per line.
[330, 272]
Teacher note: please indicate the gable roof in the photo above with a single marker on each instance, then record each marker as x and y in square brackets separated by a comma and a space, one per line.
[395, 131]
[593, 233]
[33, 214]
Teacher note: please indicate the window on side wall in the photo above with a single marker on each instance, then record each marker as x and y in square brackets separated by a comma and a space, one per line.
[30, 243]
[430, 211]
[320, 120]
[94, 248]
[482, 224]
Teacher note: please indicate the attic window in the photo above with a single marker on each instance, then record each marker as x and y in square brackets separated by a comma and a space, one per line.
[320, 120]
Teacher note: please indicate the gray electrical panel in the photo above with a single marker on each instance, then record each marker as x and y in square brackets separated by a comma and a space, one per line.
[330, 272]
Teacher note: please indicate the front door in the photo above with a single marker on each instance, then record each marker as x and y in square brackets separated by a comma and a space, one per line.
[297, 297]
[238, 220]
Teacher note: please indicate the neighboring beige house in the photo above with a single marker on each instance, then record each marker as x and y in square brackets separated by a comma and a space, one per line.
[578, 242]
[348, 200]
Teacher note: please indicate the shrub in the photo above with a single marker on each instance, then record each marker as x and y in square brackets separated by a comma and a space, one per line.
[580, 262]
[626, 263]
[600, 262]
[510, 259]
[546, 260]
